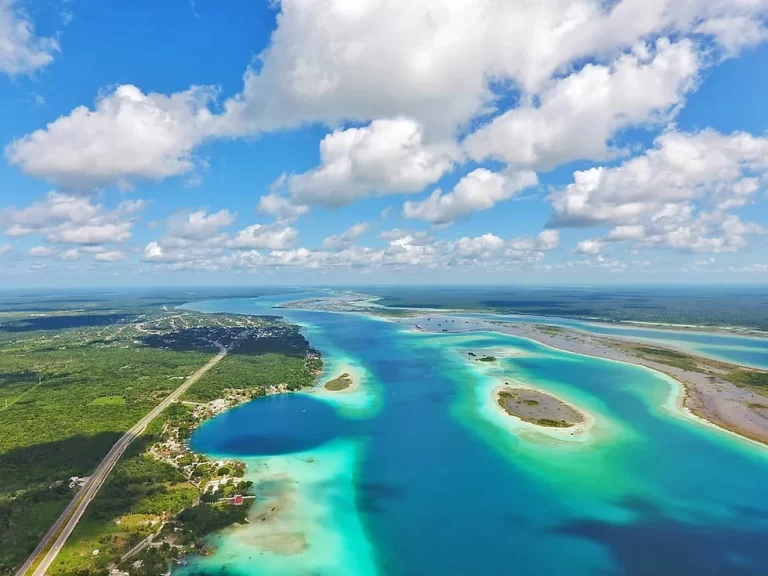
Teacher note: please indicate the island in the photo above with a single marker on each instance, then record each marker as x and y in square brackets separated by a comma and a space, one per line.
[538, 407]
[343, 382]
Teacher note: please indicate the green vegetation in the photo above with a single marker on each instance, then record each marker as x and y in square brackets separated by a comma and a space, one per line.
[337, 384]
[108, 401]
[255, 374]
[552, 423]
[201, 520]
[538, 408]
[668, 357]
[62, 416]
[549, 330]
[148, 498]
[25, 519]
[182, 418]
[487, 359]
[72, 382]
[663, 352]
[753, 379]
[129, 507]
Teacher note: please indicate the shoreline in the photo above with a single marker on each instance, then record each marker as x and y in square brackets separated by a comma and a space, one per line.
[293, 527]
[286, 524]
[711, 407]
[289, 544]
[366, 305]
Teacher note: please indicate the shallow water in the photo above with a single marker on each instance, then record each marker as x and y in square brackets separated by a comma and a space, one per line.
[421, 474]
[745, 350]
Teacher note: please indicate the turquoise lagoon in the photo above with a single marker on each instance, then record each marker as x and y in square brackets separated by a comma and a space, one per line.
[417, 473]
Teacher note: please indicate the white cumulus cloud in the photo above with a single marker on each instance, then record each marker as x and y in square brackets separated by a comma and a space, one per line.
[590, 246]
[677, 195]
[385, 157]
[110, 256]
[479, 190]
[21, 50]
[680, 167]
[271, 236]
[576, 116]
[199, 225]
[279, 206]
[436, 60]
[67, 219]
[41, 252]
[129, 135]
[348, 237]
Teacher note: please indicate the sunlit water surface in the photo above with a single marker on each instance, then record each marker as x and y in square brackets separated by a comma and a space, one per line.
[418, 473]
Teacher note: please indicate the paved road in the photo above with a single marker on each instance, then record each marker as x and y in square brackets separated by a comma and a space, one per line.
[72, 514]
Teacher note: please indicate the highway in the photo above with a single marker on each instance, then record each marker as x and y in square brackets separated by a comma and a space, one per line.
[74, 511]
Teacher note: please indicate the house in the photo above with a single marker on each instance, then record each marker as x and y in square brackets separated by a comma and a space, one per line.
[213, 486]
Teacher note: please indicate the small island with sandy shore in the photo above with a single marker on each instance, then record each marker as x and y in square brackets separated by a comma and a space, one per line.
[340, 383]
[537, 407]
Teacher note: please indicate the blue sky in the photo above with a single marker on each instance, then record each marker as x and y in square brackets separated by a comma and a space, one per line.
[329, 141]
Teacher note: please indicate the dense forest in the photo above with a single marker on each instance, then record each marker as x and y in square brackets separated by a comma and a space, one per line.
[705, 305]
[255, 373]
